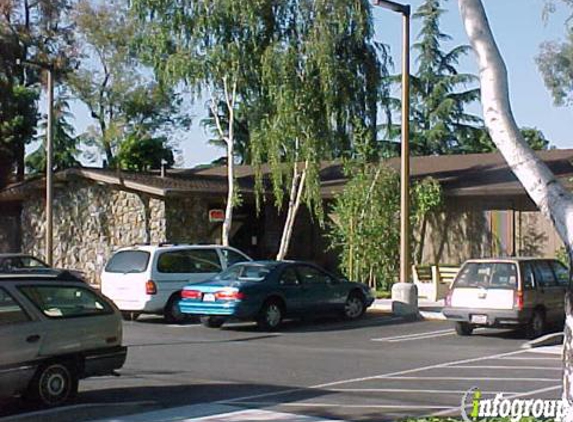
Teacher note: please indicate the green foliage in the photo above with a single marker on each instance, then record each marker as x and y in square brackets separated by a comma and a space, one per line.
[65, 143]
[439, 95]
[555, 61]
[121, 96]
[321, 81]
[367, 214]
[143, 153]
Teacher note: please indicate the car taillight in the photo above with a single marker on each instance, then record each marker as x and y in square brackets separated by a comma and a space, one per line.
[518, 300]
[150, 287]
[229, 295]
[190, 294]
[448, 301]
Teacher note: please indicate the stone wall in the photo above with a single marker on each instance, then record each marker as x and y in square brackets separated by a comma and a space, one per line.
[9, 230]
[187, 221]
[90, 221]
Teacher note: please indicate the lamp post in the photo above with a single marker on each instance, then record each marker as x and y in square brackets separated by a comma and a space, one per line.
[404, 10]
[49, 241]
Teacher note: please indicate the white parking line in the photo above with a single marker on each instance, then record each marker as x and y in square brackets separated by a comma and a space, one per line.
[421, 337]
[372, 377]
[354, 406]
[414, 335]
[407, 391]
[471, 379]
[496, 367]
[530, 358]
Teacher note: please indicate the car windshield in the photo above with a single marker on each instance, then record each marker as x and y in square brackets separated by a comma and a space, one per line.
[245, 272]
[17, 262]
[128, 262]
[499, 275]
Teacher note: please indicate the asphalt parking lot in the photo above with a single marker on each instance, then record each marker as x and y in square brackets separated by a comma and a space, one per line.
[377, 369]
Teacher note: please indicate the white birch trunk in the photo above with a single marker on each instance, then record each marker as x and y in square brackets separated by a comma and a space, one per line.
[552, 199]
[228, 137]
[295, 199]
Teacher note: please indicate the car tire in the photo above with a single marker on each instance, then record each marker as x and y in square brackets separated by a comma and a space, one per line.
[53, 384]
[129, 316]
[354, 307]
[464, 329]
[172, 313]
[212, 322]
[536, 325]
[270, 315]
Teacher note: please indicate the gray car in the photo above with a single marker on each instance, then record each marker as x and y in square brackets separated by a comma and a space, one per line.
[55, 331]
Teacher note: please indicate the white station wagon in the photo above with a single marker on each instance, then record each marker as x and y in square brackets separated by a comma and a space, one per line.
[508, 293]
[149, 278]
[54, 332]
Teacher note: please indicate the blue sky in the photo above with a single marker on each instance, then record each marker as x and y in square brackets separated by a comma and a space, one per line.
[519, 29]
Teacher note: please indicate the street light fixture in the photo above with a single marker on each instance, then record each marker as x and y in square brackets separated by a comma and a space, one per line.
[404, 10]
[49, 68]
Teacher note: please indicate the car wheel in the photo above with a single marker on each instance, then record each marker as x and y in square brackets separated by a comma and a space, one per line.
[536, 326]
[464, 329]
[212, 322]
[354, 307]
[129, 316]
[271, 316]
[172, 313]
[53, 384]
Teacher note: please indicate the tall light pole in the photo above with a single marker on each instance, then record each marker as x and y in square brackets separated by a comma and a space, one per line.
[404, 10]
[49, 241]
[50, 170]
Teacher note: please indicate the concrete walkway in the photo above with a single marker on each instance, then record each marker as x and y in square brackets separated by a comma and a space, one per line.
[428, 310]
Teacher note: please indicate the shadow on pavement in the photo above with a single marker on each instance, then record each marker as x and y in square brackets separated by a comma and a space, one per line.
[117, 402]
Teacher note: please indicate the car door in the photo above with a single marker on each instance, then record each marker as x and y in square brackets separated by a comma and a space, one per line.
[291, 289]
[562, 276]
[551, 293]
[21, 336]
[178, 267]
[319, 292]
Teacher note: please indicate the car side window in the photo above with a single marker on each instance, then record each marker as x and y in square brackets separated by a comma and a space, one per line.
[10, 311]
[66, 301]
[289, 277]
[232, 257]
[189, 261]
[544, 274]
[561, 273]
[310, 275]
[528, 277]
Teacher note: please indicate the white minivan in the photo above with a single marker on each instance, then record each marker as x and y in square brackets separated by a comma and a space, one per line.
[149, 278]
[508, 292]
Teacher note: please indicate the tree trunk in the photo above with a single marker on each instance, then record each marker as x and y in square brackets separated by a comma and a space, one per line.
[230, 194]
[228, 137]
[552, 199]
[296, 191]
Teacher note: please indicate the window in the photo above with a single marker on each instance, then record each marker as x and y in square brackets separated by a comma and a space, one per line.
[189, 261]
[561, 272]
[12, 262]
[310, 275]
[10, 311]
[544, 274]
[528, 276]
[497, 275]
[128, 262]
[289, 277]
[232, 257]
[66, 301]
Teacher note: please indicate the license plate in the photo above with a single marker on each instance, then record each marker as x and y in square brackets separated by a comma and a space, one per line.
[208, 297]
[479, 319]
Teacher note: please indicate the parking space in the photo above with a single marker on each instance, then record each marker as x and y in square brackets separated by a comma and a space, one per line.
[428, 390]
